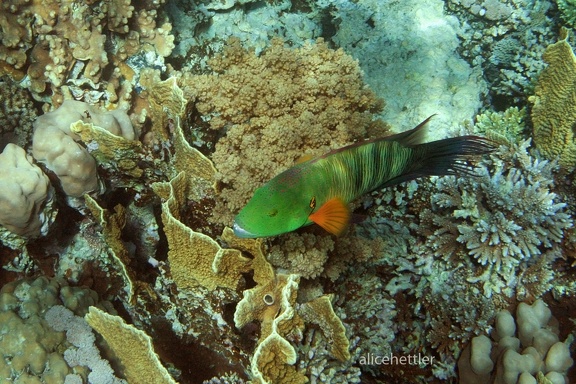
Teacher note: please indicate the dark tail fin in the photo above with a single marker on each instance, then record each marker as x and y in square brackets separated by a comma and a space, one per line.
[444, 157]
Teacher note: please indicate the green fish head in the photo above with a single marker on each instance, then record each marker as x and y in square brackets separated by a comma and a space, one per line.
[275, 208]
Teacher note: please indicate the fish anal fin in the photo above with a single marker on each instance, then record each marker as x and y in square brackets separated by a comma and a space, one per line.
[333, 216]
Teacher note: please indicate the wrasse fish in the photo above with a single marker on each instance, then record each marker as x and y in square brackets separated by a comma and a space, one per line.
[319, 190]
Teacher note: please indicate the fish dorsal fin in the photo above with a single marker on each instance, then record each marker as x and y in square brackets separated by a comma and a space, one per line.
[303, 159]
[333, 216]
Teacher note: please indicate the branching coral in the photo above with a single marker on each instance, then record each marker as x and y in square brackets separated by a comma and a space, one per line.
[506, 216]
[277, 107]
[55, 43]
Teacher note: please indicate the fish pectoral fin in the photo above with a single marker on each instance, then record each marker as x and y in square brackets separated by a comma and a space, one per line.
[333, 216]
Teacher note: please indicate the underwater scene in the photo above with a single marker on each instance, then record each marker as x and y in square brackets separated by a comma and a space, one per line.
[287, 191]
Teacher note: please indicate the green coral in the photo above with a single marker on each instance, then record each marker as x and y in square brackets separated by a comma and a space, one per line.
[502, 127]
[567, 11]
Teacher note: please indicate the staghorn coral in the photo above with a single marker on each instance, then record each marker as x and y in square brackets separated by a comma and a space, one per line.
[505, 217]
[504, 128]
[275, 108]
[553, 112]
[54, 144]
[25, 194]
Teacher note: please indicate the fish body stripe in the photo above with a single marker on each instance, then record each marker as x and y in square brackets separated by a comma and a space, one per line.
[357, 170]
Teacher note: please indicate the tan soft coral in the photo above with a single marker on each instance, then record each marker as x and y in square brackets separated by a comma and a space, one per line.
[277, 107]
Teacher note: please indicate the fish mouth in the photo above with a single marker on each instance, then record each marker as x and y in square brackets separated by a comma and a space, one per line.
[241, 232]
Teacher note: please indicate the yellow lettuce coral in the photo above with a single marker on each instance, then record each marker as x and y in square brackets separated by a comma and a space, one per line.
[553, 110]
[132, 346]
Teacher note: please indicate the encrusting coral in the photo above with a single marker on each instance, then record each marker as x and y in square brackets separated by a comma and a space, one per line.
[55, 145]
[553, 112]
[25, 194]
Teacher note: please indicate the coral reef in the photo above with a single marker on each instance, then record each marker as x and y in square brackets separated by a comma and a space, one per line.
[505, 217]
[59, 49]
[314, 100]
[171, 143]
[506, 40]
[553, 111]
[26, 194]
[54, 144]
[32, 349]
[520, 348]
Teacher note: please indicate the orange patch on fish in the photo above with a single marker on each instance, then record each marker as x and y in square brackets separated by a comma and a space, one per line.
[333, 216]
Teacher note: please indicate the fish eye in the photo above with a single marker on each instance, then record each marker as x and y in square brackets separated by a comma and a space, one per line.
[273, 213]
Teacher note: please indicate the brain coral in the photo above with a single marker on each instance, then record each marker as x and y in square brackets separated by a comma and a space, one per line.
[277, 107]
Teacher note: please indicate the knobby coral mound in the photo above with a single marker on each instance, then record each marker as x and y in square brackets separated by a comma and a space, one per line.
[521, 349]
[277, 107]
[17, 113]
[25, 194]
[55, 145]
[33, 346]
